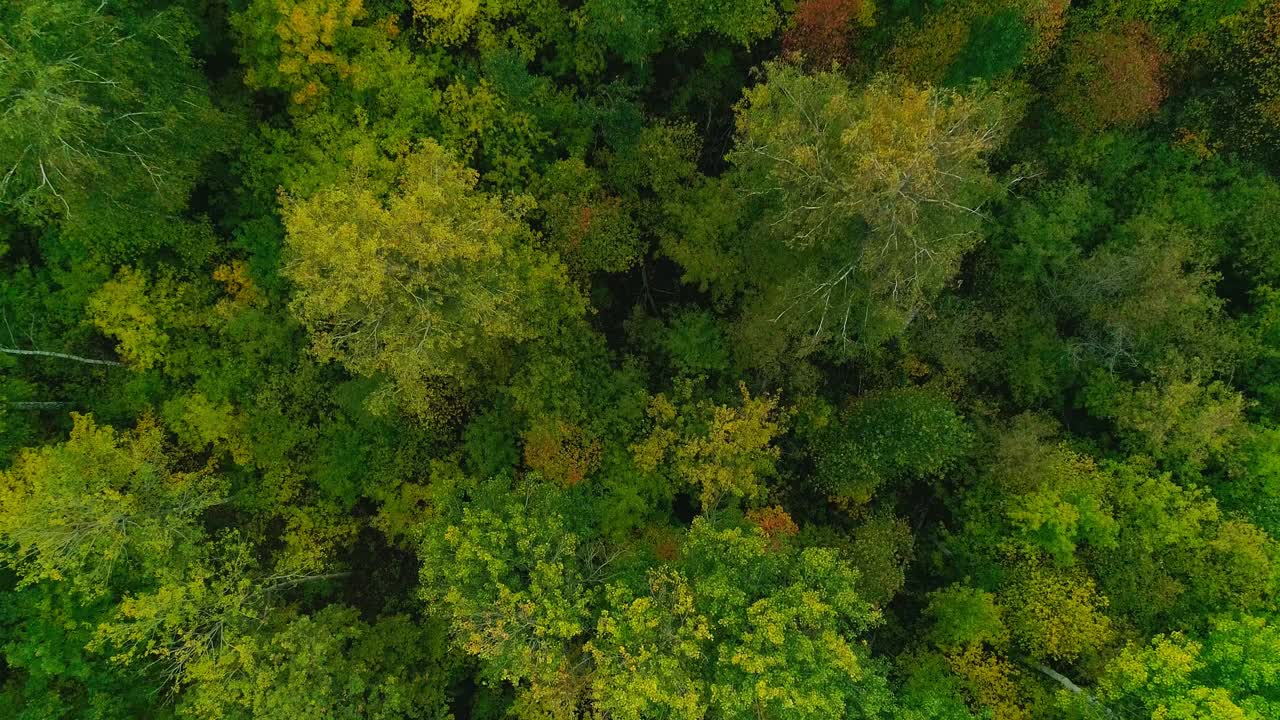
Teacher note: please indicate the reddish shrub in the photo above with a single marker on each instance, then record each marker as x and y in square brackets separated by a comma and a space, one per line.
[775, 522]
[820, 30]
[1114, 78]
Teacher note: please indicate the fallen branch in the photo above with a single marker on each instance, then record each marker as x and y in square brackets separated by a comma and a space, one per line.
[64, 356]
[1061, 679]
[37, 405]
[1066, 682]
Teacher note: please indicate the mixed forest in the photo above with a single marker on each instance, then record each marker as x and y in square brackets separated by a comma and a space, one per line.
[640, 359]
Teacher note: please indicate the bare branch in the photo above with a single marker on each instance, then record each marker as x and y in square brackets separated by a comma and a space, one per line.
[64, 356]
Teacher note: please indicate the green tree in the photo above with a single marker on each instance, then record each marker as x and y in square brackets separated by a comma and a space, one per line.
[1230, 674]
[965, 616]
[101, 507]
[331, 664]
[721, 450]
[107, 120]
[738, 626]
[506, 577]
[864, 200]
[193, 611]
[888, 437]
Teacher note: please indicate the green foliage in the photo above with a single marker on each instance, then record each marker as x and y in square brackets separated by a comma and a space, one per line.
[591, 229]
[50, 674]
[101, 507]
[722, 451]
[880, 549]
[507, 577]
[420, 286]
[964, 616]
[107, 120]
[1176, 420]
[703, 359]
[996, 45]
[331, 663]
[304, 48]
[888, 437]
[695, 343]
[880, 189]
[1056, 614]
[1231, 673]
[735, 625]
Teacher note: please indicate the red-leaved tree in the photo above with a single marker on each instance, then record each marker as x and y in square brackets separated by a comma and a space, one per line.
[1114, 78]
[821, 30]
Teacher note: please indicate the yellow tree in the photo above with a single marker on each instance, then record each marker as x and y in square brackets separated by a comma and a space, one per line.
[422, 287]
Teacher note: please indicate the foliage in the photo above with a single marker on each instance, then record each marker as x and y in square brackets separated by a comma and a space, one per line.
[108, 120]
[893, 436]
[964, 616]
[734, 626]
[511, 585]
[820, 29]
[699, 359]
[888, 181]
[422, 285]
[101, 506]
[331, 663]
[1113, 77]
[723, 451]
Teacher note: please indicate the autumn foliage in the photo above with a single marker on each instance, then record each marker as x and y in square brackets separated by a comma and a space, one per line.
[1114, 78]
[640, 359]
[821, 30]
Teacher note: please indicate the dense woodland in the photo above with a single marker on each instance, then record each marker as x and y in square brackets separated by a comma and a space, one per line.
[640, 359]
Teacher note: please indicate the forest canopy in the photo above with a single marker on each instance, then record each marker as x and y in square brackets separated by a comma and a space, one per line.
[640, 360]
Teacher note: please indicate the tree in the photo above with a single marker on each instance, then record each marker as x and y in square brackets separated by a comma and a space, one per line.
[136, 310]
[723, 451]
[1144, 295]
[965, 616]
[1175, 676]
[592, 230]
[1113, 78]
[193, 611]
[885, 183]
[1056, 614]
[506, 578]
[739, 626]
[331, 663]
[50, 674]
[526, 26]
[888, 437]
[303, 48]
[636, 30]
[102, 507]
[107, 120]
[1177, 419]
[422, 287]
[820, 29]
[958, 41]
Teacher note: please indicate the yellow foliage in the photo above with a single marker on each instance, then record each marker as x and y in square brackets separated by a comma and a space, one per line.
[1056, 614]
[423, 287]
[130, 308]
[990, 682]
[239, 286]
[313, 536]
[721, 450]
[200, 422]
